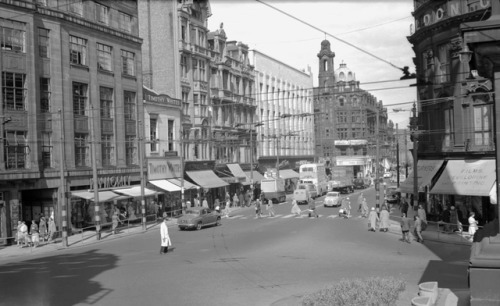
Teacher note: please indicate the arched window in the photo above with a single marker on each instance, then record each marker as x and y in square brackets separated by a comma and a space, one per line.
[325, 65]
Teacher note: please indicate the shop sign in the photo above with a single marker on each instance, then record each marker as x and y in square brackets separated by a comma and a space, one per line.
[448, 10]
[150, 96]
[111, 182]
[163, 168]
[353, 142]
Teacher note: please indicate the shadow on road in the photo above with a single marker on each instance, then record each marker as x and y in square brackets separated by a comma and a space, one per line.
[55, 280]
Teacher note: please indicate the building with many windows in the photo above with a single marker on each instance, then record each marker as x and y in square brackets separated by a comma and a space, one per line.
[71, 102]
[284, 112]
[346, 131]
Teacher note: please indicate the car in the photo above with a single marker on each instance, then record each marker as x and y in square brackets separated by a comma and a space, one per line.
[302, 194]
[391, 195]
[360, 183]
[332, 199]
[198, 217]
[387, 175]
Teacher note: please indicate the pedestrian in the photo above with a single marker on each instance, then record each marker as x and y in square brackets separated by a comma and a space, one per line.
[205, 202]
[236, 200]
[35, 235]
[257, 208]
[165, 238]
[196, 202]
[347, 206]
[160, 206]
[312, 209]
[42, 229]
[404, 207]
[372, 220]
[295, 208]
[227, 198]
[19, 234]
[25, 234]
[270, 208]
[217, 206]
[360, 202]
[472, 225]
[405, 228]
[445, 218]
[227, 211]
[454, 224]
[364, 208]
[156, 208]
[384, 219]
[241, 198]
[423, 216]
[114, 221]
[52, 229]
[417, 229]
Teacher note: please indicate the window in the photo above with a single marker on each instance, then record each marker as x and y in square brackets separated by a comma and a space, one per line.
[77, 50]
[16, 150]
[130, 150]
[47, 150]
[448, 128]
[443, 74]
[81, 150]
[129, 104]
[79, 99]
[104, 57]
[76, 6]
[195, 69]
[125, 22]
[13, 90]
[102, 13]
[341, 101]
[107, 150]
[45, 95]
[153, 135]
[184, 67]
[128, 63]
[12, 39]
[482, 124]
[41, 2]
[106, 97]
[43, 43]
[170, 135]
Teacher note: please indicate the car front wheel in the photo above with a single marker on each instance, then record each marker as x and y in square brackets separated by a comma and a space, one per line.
[198, 226]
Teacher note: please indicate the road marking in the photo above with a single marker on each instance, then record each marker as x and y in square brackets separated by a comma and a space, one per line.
[288, 216]
[333, 216]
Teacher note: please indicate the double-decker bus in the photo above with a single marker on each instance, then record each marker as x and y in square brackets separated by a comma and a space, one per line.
[314, 174]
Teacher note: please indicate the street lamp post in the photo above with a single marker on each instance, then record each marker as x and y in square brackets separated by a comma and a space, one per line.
[414, 138]
[377, 165]
[141, 174]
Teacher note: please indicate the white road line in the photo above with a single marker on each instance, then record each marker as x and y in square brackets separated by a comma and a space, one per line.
[288, 216]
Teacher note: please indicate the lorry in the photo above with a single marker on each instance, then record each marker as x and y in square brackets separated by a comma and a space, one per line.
[314, 174]
[304, 193]
[343, 179]
[273, 189]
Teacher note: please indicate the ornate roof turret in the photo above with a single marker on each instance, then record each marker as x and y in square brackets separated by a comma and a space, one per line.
[344, 74]
[325, 49]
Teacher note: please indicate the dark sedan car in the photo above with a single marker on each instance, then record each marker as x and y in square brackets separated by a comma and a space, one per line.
[198, 217]
[392, 195]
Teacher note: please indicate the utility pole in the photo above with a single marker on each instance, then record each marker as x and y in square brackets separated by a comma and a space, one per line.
[397, 156]
[94, 174]
[414, 138]
[141, 174]
[62, 187]
[377, 165]
[406, 155]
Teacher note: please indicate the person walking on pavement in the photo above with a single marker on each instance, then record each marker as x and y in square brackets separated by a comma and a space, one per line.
[384, 219]
[165, 238]
[257, 209]
[472, 225]
[42, 229]
[35, 235]
[405, 228]
[236, 200]
[445, 218]
[52, 229]
[404, 206]
[295, 208]
[205, 202]
[241, 198]
[270, 208]
[360, 202]
[423, 216]
[364, 208]
[417, 230]
[196, 202]
[454, 220]
[373, 220]
[114, 221]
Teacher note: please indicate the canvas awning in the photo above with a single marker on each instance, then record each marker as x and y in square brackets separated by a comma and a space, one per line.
[257, 177]
[426, 170]
[165, 185]
[206, 179]
[237, 171]
[135, 191]
[467, 177]
[288, 174]
[187, 185]
[104, 196]
[493, 194]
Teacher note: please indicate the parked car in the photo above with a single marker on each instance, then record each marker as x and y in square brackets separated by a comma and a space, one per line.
[198, 217]
[391, 195]
[332, 199]
[387, 175]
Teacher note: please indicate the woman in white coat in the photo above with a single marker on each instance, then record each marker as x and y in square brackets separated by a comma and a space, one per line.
[165, 238]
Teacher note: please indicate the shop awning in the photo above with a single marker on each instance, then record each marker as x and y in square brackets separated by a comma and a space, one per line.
[257, 177]
[237, 171]
[135, 191]
[288, 174]
[467, 177]
[104, 196]
[493, 194]
[187, 185]
[165, 185]
[426, 170]
[206, 179]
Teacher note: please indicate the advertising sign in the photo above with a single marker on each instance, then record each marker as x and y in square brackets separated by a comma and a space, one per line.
[163, 168]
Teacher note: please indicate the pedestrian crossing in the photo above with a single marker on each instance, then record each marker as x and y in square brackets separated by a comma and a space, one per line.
[290, 216]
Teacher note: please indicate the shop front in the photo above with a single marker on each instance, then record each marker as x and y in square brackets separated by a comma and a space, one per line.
[202, 174]
[467, 185]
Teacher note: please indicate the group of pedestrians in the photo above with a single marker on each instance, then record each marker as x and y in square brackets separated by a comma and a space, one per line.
[36, 233]
[378, 220]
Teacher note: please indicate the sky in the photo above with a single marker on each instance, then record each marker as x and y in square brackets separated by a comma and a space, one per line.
[378, 28]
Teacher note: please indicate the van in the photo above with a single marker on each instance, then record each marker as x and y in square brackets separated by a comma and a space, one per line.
[305, 193]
